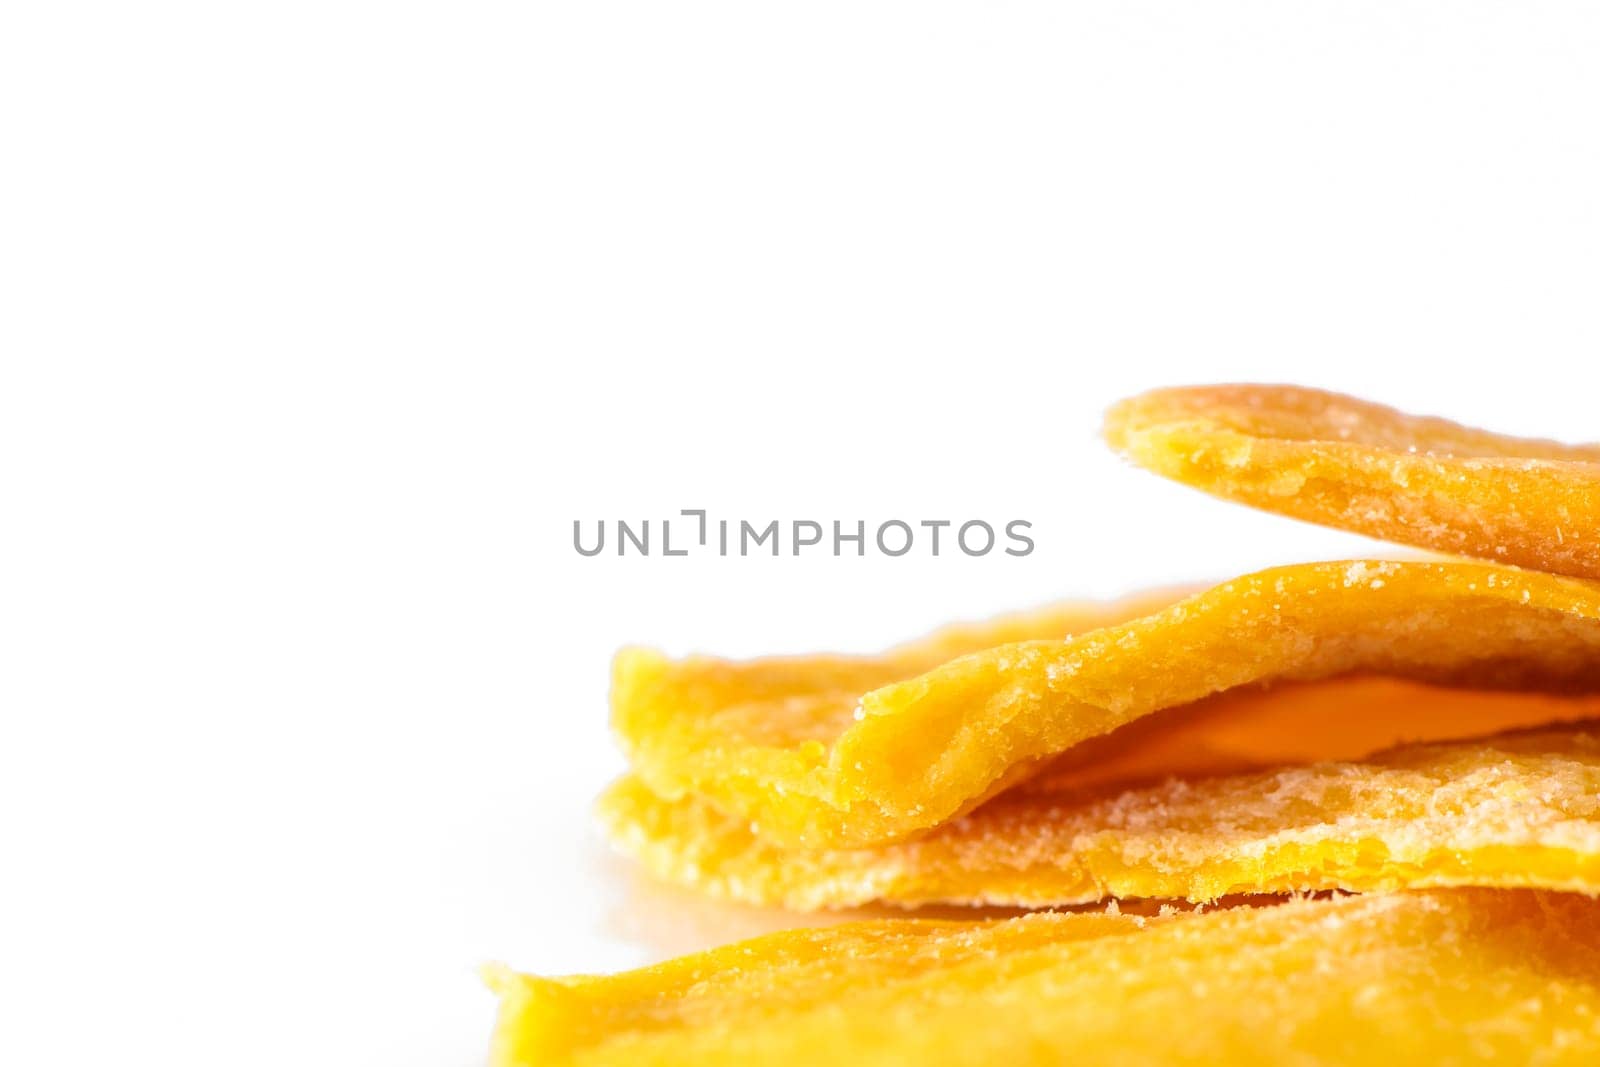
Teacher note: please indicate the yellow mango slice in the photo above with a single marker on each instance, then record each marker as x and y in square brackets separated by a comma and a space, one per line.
[849, 752]
[1343, 462]
[1517, 810]
[1436, 977]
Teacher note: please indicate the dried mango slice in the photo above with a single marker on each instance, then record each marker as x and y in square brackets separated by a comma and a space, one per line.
[784, 702]
[1359, 466]
[1446, 976]
[821, 752]
[1518, 810]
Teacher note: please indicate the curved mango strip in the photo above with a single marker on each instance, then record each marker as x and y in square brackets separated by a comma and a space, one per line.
[1520, 810]
[1343, 462]
[1447, 976]
[812, 755]
[764, 719]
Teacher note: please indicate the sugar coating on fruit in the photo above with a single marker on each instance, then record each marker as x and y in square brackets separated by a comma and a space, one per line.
[1515, 810]
[1359, 466]
[853, 751]
[1428, 977]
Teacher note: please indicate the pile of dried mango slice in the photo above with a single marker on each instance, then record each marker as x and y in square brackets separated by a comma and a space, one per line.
[1328, 813]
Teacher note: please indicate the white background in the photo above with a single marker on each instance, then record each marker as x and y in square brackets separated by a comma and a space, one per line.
[321, 322]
